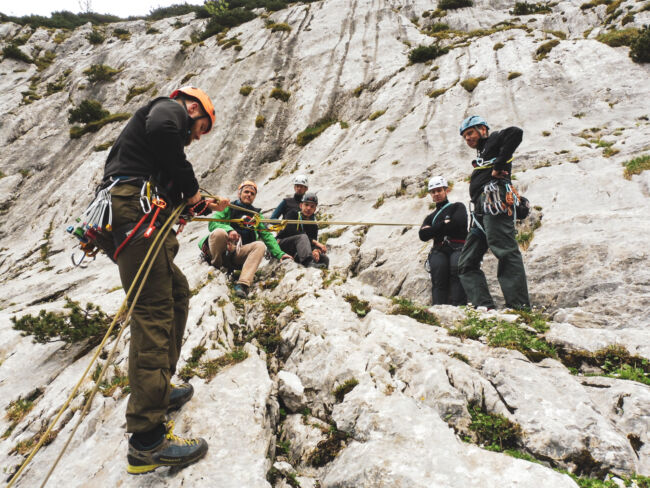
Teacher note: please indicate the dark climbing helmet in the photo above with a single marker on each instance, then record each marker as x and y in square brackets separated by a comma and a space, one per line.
[310, 197]
[473, 121]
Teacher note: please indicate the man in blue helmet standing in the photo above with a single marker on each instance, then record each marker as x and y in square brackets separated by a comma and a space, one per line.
[493, 230]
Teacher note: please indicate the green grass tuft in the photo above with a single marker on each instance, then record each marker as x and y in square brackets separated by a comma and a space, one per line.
[410, 309]
[313, 131]
[636, 166]
[471, 83]
[500, 333]
[280, 94]
[345, 388]
[376, 115]
[543, 50]
[134, 91]
[454, 4]
[245, 90]
[100, 72]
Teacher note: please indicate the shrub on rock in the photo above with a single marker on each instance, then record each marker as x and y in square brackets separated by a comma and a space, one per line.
[640, 47]
[422, 54]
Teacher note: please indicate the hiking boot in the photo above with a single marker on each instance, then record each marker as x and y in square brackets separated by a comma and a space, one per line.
[179, 396]
[168, 451]
[241, 290]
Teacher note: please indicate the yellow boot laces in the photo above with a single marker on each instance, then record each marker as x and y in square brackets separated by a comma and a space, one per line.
[170, 435]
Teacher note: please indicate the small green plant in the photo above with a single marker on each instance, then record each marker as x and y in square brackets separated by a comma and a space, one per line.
[344, 125]
[513, 74]
[454, 4]
[524, 8]
[280, 94]
[56, 86]
[358, 90]
[410, 309]
[471, 83]
[325, 236]
[438, 27]
[152, 30]
[617, 38]
[422, 54]
[43, 62]
[640, 47]
[189, 370]
[314, 130]
[74, 326]
[104, 146]
[494, 432]
[119, 380]
[245, 90]
[636, 166]
[543, 50]
[134, 91]
[358, 306]
[497, 46]
[379, 202]
[278, 27]
[437, 93]
[187, 78]
[95, 37]
[12, 51]
[376, 115]
[91, 113]
[500, 333]
[122, 34]
[327, 449]
[87, 111]
[100, 72]
[345, 388]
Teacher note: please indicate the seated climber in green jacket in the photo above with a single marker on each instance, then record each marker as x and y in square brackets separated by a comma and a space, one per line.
[235, 245]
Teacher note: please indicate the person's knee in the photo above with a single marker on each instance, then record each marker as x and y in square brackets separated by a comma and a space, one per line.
[259, 248]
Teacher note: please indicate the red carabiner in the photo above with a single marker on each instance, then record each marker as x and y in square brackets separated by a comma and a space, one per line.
[159, 203]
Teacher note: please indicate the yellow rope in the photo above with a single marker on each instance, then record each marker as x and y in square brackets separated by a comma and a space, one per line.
[157, 243]
[92, 361]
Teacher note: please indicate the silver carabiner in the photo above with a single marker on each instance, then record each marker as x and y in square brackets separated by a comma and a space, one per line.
[144, 200]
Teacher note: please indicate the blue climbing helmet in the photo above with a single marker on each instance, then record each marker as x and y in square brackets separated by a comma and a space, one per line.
[473, 121]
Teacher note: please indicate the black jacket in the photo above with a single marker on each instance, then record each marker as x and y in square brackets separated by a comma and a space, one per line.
[247, 234]
[293, 229]
[455, 229]
[286, 205]
[153, 145]
[500, 145]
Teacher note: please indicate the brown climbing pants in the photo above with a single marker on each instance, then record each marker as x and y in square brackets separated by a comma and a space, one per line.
[158, 321]
[248, 257]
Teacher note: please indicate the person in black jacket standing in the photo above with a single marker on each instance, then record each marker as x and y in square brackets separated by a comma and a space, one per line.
[493, 230]
[148, 157]
[300, 186]
[447, 226]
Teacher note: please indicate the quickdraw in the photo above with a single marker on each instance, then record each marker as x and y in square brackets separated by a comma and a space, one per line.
[97, 217]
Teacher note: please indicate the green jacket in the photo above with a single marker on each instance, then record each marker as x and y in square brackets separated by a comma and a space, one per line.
[260, 233]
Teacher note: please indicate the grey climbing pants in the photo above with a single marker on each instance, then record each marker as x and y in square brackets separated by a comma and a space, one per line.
[499, 237]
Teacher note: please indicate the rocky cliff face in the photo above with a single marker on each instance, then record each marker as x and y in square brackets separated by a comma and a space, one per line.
[416, 391]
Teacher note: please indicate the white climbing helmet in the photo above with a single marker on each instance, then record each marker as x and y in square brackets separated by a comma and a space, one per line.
[300, 180]
[437, 182]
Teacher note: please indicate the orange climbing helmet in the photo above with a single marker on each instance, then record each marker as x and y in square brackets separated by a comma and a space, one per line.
[248, 183]
[202, 98]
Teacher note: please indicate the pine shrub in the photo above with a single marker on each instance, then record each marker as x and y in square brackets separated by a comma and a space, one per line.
[74, 326]
[422, 54]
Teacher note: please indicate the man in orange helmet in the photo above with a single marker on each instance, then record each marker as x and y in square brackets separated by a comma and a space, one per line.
[147, 166]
